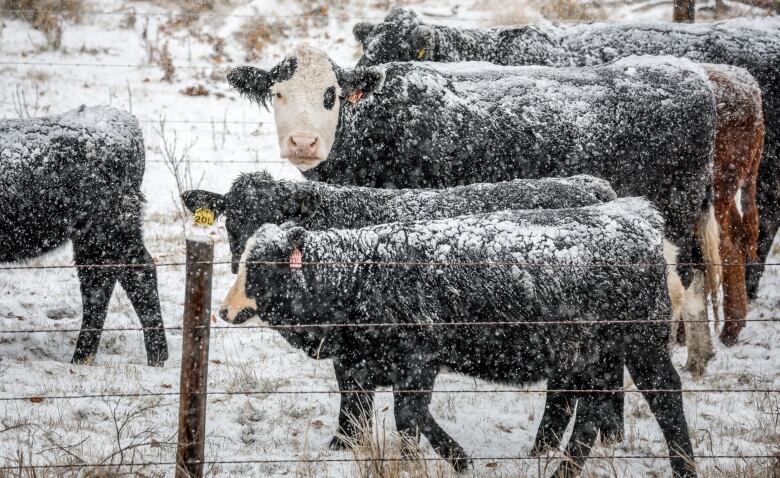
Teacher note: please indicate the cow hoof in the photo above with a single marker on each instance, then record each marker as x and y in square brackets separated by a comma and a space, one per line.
[155, 363]
[728, 339]
[337, 443]
[460, 463]
[83, 359]
[612, 437]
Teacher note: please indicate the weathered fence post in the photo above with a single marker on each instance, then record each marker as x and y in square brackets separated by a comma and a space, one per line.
[194, 358]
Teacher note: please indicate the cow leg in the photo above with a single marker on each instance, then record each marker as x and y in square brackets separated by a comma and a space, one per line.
[413, 416]
[140, 284]
[355, 409]
[97, 284]
[734, 291]
[610, 403]
[558, 409]
[767, 197]
[583, 436]
[652, 369]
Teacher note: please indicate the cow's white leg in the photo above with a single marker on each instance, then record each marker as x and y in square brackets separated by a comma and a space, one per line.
[697, 329]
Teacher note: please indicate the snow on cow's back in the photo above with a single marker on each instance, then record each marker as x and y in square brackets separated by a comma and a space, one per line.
[560, 236]
[26, 141]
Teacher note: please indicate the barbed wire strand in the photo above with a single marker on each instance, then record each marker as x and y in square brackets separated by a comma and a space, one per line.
[36, 399]
[367, 325]
[223, 15]
[559, 455]
[401, 264]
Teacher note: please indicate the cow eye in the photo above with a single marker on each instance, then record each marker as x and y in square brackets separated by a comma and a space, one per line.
[330, 97]
[278, 95]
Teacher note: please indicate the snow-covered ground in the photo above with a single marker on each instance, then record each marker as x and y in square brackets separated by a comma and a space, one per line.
[105, 59]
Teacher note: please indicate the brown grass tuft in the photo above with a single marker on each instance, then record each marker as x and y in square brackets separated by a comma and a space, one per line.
[571, 11]
[45, 15]
[258, 32]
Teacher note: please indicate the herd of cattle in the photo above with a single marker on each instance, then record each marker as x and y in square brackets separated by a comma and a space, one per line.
[514, 204]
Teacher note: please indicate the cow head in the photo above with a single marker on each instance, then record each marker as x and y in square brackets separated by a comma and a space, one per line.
[400, 37]
[266, 275]
[307, 91]
[253, 200]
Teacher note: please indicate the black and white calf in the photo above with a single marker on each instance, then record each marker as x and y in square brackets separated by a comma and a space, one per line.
[753, 44]
[255, 199]
[644, 124]
[77, 176]
[566, 266]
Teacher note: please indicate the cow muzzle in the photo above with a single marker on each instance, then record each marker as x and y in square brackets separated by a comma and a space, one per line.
[233, 317]
[304, 151]
[237, 307]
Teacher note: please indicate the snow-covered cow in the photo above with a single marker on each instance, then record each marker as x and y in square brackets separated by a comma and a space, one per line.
[77, 176]
[255, 199]
[514, 267]
[644, 124]
[753, 44]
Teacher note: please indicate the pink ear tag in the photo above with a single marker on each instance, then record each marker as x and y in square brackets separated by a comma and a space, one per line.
[355, 96]
[296, 258]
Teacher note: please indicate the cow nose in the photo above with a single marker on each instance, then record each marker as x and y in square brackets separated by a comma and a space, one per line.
[304, 146]
[223, 314]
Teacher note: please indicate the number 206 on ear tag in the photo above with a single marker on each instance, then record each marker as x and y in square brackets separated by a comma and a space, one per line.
[205, 217]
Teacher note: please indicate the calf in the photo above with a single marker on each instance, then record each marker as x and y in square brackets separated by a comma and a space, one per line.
[256, 199]
[514, 267]
[77, 176]
[645, 125]
[753, 44]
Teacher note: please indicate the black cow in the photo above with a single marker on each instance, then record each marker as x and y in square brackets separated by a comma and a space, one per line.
[560, 265]
[256, 199]
[753, 44]
[77, 176]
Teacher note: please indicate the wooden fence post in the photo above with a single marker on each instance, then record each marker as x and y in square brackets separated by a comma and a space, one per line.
[194, 358]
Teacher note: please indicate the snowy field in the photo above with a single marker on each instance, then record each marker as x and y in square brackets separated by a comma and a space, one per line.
[114, 58]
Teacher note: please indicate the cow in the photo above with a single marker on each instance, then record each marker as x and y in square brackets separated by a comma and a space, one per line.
[256, 198]
[77, 176]
[646, 125]
[753, 44]
[400, 301]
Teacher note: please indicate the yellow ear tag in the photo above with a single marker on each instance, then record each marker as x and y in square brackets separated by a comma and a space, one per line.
[420, 53]
[205, 217]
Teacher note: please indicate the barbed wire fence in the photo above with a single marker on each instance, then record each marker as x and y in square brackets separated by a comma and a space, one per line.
[194, 393]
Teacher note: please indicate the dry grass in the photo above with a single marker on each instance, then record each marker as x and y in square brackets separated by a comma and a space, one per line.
[378, 454]
[506, 14]
[257, 33]
[45, 15]
[571, 11]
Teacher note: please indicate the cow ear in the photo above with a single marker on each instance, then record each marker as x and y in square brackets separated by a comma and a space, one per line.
[197, 198]
[295, 237]
[251, 82]
[360, 82]
[401, 15]
[361, 30]
[423, 42]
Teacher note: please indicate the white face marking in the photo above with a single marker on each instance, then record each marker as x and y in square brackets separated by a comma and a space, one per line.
[236, 299]
[306, 129]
